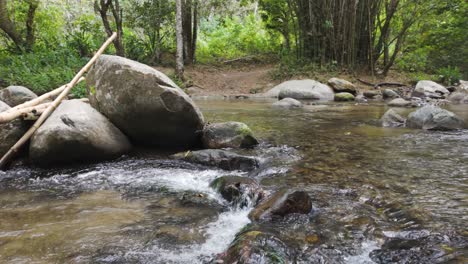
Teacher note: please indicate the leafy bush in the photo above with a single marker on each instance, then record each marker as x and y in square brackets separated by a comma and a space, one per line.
[449, 75]
[42, 71]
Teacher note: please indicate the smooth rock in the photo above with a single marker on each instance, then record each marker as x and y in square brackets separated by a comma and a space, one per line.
[390, 94]
[459, 98]
[463, 86]
[240, 191]
[434, 118]
[344, 97]
[16, 95]
[392, 119]
[228, 135]
[219, 158]
[10, 132]
[342, 86]
[144, 103]
[430, 89]
[74, 133]
[282, 203]
[371, 94]
[288, 103]
[400, 102]
[360, 98]
[302, 89]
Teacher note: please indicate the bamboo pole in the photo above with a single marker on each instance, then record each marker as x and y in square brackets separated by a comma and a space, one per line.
[15, 149]
[34, 112]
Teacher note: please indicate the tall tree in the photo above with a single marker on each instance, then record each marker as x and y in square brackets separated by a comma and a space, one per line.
[21, 42]
[180, 41]
[103, 7]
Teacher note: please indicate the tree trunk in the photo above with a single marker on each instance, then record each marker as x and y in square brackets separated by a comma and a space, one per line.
[180, 41]
[103, 7]
[30, 37]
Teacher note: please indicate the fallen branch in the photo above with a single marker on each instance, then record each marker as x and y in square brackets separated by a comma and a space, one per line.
[366, 82]
[15, 149]
[377, 86]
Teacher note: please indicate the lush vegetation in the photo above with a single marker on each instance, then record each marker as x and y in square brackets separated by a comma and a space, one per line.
[43, 43]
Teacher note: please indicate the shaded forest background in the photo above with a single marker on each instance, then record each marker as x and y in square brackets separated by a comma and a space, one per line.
[44, 42]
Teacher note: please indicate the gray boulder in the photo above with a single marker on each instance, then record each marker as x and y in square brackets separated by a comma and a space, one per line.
[434, 118]
[144, 103]
[219, 158]
[430, 89]
[459, 98]
[390, 94]
[10, 132]
[288, 103]
[228, 135]
[342, 86]
[344, 97]
[282, 203]
[302, 89]
[74, 133]
[16, 95]
[240, 191]
[371, 94]
[392, 119]
[400, 102]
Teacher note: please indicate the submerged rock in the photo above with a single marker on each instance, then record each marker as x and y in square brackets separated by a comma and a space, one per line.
[430, 89]
[16, 95]
[288, 103]
[219, 158]
[342, 86]
[390, 94]
[282, 203]
[252, 247]
[392, 119]
[144, 103]
[228, 135]
[302, 89]
[434, 118]
[400, 102]
[344, 97]
[10, 132]
[240, 191]
[76, 132]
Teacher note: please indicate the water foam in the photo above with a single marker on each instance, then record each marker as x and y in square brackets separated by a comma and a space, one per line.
[363, 257]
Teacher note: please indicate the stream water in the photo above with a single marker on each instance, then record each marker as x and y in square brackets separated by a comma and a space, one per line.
[379, 195]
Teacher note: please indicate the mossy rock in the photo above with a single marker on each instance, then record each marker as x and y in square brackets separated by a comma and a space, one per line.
[344, 97]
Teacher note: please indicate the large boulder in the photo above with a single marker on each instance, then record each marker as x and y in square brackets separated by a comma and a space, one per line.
[342, 86]
[459, 98]
[228, 135]
[16, 95]
[240, 191]
[390, 94]
[344, 97]
[302, 89]
[219, 158]
[144, 103]
[10, 132]
[434, 118]
[282, 203]
[76, 132]
[430, 89]
[392, 119]
[288, 103]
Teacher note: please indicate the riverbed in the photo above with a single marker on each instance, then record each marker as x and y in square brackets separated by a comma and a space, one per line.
[379, 195]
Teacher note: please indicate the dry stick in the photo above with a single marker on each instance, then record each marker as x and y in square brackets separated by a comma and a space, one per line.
[13, 150]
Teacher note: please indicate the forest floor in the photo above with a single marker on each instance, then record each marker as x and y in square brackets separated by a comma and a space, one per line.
[258, 78]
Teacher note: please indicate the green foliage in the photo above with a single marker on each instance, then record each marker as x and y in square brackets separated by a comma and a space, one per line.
[449, 75]
[42, 71]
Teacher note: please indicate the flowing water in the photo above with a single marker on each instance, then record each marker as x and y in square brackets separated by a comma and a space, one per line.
[379, 195]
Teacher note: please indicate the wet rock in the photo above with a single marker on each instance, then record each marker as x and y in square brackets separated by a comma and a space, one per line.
[392, 119]
[219, 158]
[434, 118]
[144, 103]
[282, 203]
[254, 247]
[344, 97]
[371, 94]
[463, 86]
[240, 191]
[10, 132]
[74, 133]
[228, 135]
[400, 102]
[288, 103]
[302, 89]
[16, 95]
[390, 94]
[360, 98]
[430, 89]
[459, 98]
[342, 86]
